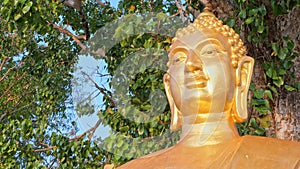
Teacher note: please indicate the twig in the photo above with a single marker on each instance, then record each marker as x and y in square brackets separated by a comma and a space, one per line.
[67, 32]
[15, 82]
[100, 3]
[3, 116]
[204, 1]
[52, 162]
[182, 11]
[89, 130]
[172, 16]
[7, 72]
[179, 6]
[102, 90]
[3, 62]
[44, 149]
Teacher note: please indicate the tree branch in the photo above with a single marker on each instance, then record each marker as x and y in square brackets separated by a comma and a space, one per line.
[182, 11]
[67, 32]
[100, 3]
[204, 1]
[3, 116]
[93, 129]
[3, 62]
[172, 16]
[102, 90]
[44, 149]
[1, 67]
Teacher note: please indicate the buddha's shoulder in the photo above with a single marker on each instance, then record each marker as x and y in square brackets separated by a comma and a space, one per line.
[147, 161]
[266, 143]
[271, 152]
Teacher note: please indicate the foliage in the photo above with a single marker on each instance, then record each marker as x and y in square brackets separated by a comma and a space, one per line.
[40, 41]
[138, 62]
[277, 67]
[35, 72]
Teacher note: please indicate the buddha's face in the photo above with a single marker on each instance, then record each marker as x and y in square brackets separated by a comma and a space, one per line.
[201, 75]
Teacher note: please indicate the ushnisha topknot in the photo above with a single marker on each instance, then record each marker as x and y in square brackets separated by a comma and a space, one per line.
[208, 21]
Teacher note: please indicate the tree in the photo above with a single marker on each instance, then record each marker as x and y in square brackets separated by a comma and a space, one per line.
[40, 43]
[36, 65]
[274, 43]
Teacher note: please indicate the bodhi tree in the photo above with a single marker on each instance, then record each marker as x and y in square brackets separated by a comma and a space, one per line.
[40, 43]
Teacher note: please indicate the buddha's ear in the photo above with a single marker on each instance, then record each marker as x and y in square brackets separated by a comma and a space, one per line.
[243, 79]
[176, 119]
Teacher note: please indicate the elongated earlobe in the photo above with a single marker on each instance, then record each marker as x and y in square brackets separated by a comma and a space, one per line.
[176, 119]
[243, 79]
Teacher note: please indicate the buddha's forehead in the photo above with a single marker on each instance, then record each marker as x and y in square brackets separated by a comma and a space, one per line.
[198, 38]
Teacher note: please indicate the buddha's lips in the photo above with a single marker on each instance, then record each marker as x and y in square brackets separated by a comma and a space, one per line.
[196, 79]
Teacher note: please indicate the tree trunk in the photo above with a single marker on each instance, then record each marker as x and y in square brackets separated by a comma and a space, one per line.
[285, 116]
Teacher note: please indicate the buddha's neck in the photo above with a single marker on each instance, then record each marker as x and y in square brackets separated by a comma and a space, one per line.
[207, 129]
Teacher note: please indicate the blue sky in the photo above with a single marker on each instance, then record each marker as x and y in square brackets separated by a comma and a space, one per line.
[90, 66]
[114, 3]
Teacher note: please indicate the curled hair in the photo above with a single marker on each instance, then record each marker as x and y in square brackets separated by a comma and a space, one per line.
[208, 21]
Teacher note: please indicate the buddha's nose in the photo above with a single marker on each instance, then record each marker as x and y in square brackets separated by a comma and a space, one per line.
[193, 63]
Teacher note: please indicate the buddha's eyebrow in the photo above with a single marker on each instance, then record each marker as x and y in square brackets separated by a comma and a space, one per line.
[208, 42]
[176, 49]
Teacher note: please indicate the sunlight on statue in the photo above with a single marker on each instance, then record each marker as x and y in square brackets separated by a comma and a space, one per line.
[206, 85]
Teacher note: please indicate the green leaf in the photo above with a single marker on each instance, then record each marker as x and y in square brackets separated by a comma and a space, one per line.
[273, 89]
[289, 88]
[279, 82]
[249, 20]
[275, 47]
[269, 94]
[252, 87]
[288, 64]
[129, 155]
[5, 2]
[120, 143]
[253, 123]
[262, 9]
[249, 38]
[275, 7]
[265, 121]
[290, 45]
[297, 85]
[282, 71]
[230, 22]
[259, 93]
[253, 11]
[264, 109]
[124, 128]
[283, 53]
[17, 17]
[258, 102]
[27, 7]
[242, 14]
[260, 131]
[261, 29]
[271, 73]
[141, 130]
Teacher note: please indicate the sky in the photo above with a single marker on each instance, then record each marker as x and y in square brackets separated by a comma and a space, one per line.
[90, 66]
[114, 3]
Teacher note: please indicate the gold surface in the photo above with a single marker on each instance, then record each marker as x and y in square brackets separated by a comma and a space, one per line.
[207, 85]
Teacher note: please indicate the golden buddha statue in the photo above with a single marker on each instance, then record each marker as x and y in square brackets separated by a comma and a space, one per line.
[207, 85]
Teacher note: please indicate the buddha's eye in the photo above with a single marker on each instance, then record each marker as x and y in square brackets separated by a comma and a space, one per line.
[210, 51]
[179, 57]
